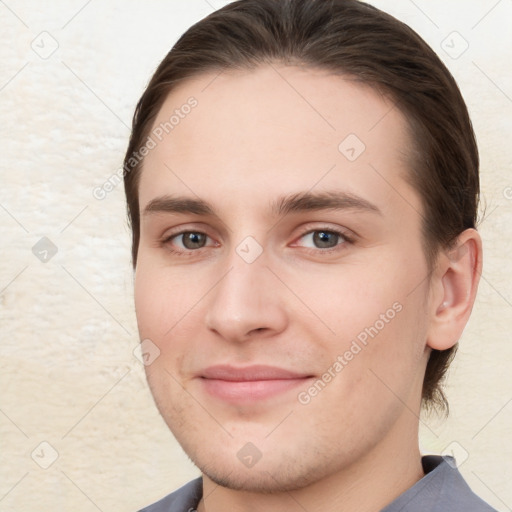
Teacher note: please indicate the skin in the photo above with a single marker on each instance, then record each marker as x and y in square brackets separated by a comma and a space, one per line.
[254, 137]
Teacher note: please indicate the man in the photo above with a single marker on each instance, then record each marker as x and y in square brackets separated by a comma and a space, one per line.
[302, 185]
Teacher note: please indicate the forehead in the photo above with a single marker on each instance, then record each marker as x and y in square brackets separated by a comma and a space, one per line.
[276, 128]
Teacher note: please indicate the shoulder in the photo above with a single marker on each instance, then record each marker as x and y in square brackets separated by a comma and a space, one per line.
[442, 488]
[454, 492]
[184, 499]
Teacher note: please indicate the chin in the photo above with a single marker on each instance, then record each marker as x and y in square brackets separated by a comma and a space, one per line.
[278, 475]
[258, 482]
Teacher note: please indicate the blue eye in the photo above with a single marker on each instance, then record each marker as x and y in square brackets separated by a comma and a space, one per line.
[323, 239]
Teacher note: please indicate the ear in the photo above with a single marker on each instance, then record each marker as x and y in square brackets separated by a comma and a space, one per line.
[453, 291]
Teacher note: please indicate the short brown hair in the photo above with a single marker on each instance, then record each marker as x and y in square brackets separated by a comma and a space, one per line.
[346, 37]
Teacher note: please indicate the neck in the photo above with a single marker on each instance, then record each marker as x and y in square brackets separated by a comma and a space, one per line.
[367, 485]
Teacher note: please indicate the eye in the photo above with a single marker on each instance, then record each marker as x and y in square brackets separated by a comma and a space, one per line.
[191, 240]
[188, 240]
[322, 239]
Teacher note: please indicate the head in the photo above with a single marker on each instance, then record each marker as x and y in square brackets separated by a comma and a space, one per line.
[321, 162]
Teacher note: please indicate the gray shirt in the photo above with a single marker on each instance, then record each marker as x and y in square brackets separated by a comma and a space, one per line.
[442, 489]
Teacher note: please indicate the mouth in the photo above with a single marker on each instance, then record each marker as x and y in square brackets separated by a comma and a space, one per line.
[249, 384]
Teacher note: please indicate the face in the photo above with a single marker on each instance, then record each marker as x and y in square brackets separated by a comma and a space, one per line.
[281, 275]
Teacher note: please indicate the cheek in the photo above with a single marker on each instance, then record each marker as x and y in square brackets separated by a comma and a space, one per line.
[349, 298]
[164, 298]
[372, 313]
[170, 311]
[148, 299]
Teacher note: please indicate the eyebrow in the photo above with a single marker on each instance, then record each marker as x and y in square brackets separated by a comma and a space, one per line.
[171, 204]
[308, 201]
[299, 202]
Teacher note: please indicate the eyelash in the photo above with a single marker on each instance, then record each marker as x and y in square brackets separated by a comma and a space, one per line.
[345, 239]
[179, 252]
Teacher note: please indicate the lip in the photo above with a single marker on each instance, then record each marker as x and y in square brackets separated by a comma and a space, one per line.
[249, 373]
[251, 383]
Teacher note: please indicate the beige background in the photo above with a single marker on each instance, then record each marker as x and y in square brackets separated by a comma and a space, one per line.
[68, 376]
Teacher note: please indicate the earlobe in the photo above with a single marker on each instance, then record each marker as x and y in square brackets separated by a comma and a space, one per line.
[458, 273]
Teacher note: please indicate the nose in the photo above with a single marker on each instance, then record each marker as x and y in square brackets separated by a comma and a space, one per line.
[246, 303]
